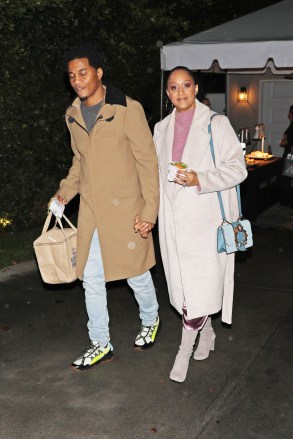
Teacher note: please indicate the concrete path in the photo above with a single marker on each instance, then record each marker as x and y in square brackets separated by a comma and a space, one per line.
[243, 390]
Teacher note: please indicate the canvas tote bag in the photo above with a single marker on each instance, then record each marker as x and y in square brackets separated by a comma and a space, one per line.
[55, 251]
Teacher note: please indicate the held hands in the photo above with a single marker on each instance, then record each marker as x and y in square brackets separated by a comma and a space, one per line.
[187, 178]
[143, 227]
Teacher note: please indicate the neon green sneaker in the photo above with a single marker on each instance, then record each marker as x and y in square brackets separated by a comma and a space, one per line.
[94, 354]
[146, 336]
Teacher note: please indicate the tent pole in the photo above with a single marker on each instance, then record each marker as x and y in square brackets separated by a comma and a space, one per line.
[162, 86]
[226, 94]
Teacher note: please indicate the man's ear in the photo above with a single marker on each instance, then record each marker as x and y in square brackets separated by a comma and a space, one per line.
[99, 73]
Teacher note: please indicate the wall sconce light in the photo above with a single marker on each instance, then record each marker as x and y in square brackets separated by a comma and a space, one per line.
[242, 95]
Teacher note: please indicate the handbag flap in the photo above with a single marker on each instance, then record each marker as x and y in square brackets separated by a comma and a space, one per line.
[238, 235]
[228, 235]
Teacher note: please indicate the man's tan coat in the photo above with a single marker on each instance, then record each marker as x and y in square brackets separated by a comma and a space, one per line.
[115, 171]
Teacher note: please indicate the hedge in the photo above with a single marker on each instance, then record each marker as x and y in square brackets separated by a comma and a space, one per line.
[35, 153]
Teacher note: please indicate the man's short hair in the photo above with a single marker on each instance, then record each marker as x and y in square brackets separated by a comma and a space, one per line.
[89, 51]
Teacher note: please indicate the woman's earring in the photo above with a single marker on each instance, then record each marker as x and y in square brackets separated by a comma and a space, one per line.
[168, 106]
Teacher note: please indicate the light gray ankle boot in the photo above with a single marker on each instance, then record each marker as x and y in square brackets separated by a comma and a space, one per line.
[180, 368]
[206, 342]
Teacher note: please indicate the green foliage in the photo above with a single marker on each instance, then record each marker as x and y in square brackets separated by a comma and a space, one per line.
[35, 153]
[17, 247]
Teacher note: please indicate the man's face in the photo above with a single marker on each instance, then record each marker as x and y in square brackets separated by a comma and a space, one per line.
[86, 80]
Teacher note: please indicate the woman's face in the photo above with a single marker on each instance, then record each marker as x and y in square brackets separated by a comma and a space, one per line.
[181, 90]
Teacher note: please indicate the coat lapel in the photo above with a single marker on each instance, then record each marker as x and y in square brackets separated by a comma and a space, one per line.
[74, 114]
[197, 141]
[164, 145]
[107, 112]
[198, 138]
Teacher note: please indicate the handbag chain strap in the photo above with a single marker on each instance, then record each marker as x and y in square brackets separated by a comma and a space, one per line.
[218, 192]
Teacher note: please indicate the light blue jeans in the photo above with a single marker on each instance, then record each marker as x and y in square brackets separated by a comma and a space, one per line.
[96, 295]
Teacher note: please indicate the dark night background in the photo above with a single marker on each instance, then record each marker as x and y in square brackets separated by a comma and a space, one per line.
[34, 152]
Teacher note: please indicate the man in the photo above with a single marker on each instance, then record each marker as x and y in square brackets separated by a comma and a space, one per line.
[286, 196]
[115, 171]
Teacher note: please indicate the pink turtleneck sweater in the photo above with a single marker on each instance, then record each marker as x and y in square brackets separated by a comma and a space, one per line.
[182, 125]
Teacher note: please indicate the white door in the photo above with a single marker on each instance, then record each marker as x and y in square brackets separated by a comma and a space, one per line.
[276, 96]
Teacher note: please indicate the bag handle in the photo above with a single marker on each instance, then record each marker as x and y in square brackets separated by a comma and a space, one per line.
[218, 192]
[68, 222]
[58, 220]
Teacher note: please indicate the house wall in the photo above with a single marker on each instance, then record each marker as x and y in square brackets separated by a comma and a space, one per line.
[217, 101]
[244, 115]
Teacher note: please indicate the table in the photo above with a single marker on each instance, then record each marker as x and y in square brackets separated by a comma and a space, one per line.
[261, 189]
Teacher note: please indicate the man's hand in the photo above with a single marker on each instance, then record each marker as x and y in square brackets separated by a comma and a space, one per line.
[143, 227]
[57, 205]
[60, 199]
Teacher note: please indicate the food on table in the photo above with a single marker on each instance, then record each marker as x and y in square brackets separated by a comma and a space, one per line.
[259, 154]
[250, 161]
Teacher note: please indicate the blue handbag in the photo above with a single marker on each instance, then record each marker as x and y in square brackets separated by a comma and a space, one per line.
[235, 236]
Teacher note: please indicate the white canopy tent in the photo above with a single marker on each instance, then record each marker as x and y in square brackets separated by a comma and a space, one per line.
[247, 42]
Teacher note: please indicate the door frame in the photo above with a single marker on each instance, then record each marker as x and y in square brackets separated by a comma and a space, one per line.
[261, 92]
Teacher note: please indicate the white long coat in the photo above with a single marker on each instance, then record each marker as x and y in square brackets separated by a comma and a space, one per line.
[188, 218]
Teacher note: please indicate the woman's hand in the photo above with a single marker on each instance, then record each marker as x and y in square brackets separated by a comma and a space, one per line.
[187, 178]
[143, 227]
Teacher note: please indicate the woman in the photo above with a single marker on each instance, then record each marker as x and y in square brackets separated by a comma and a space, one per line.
[200, 280]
